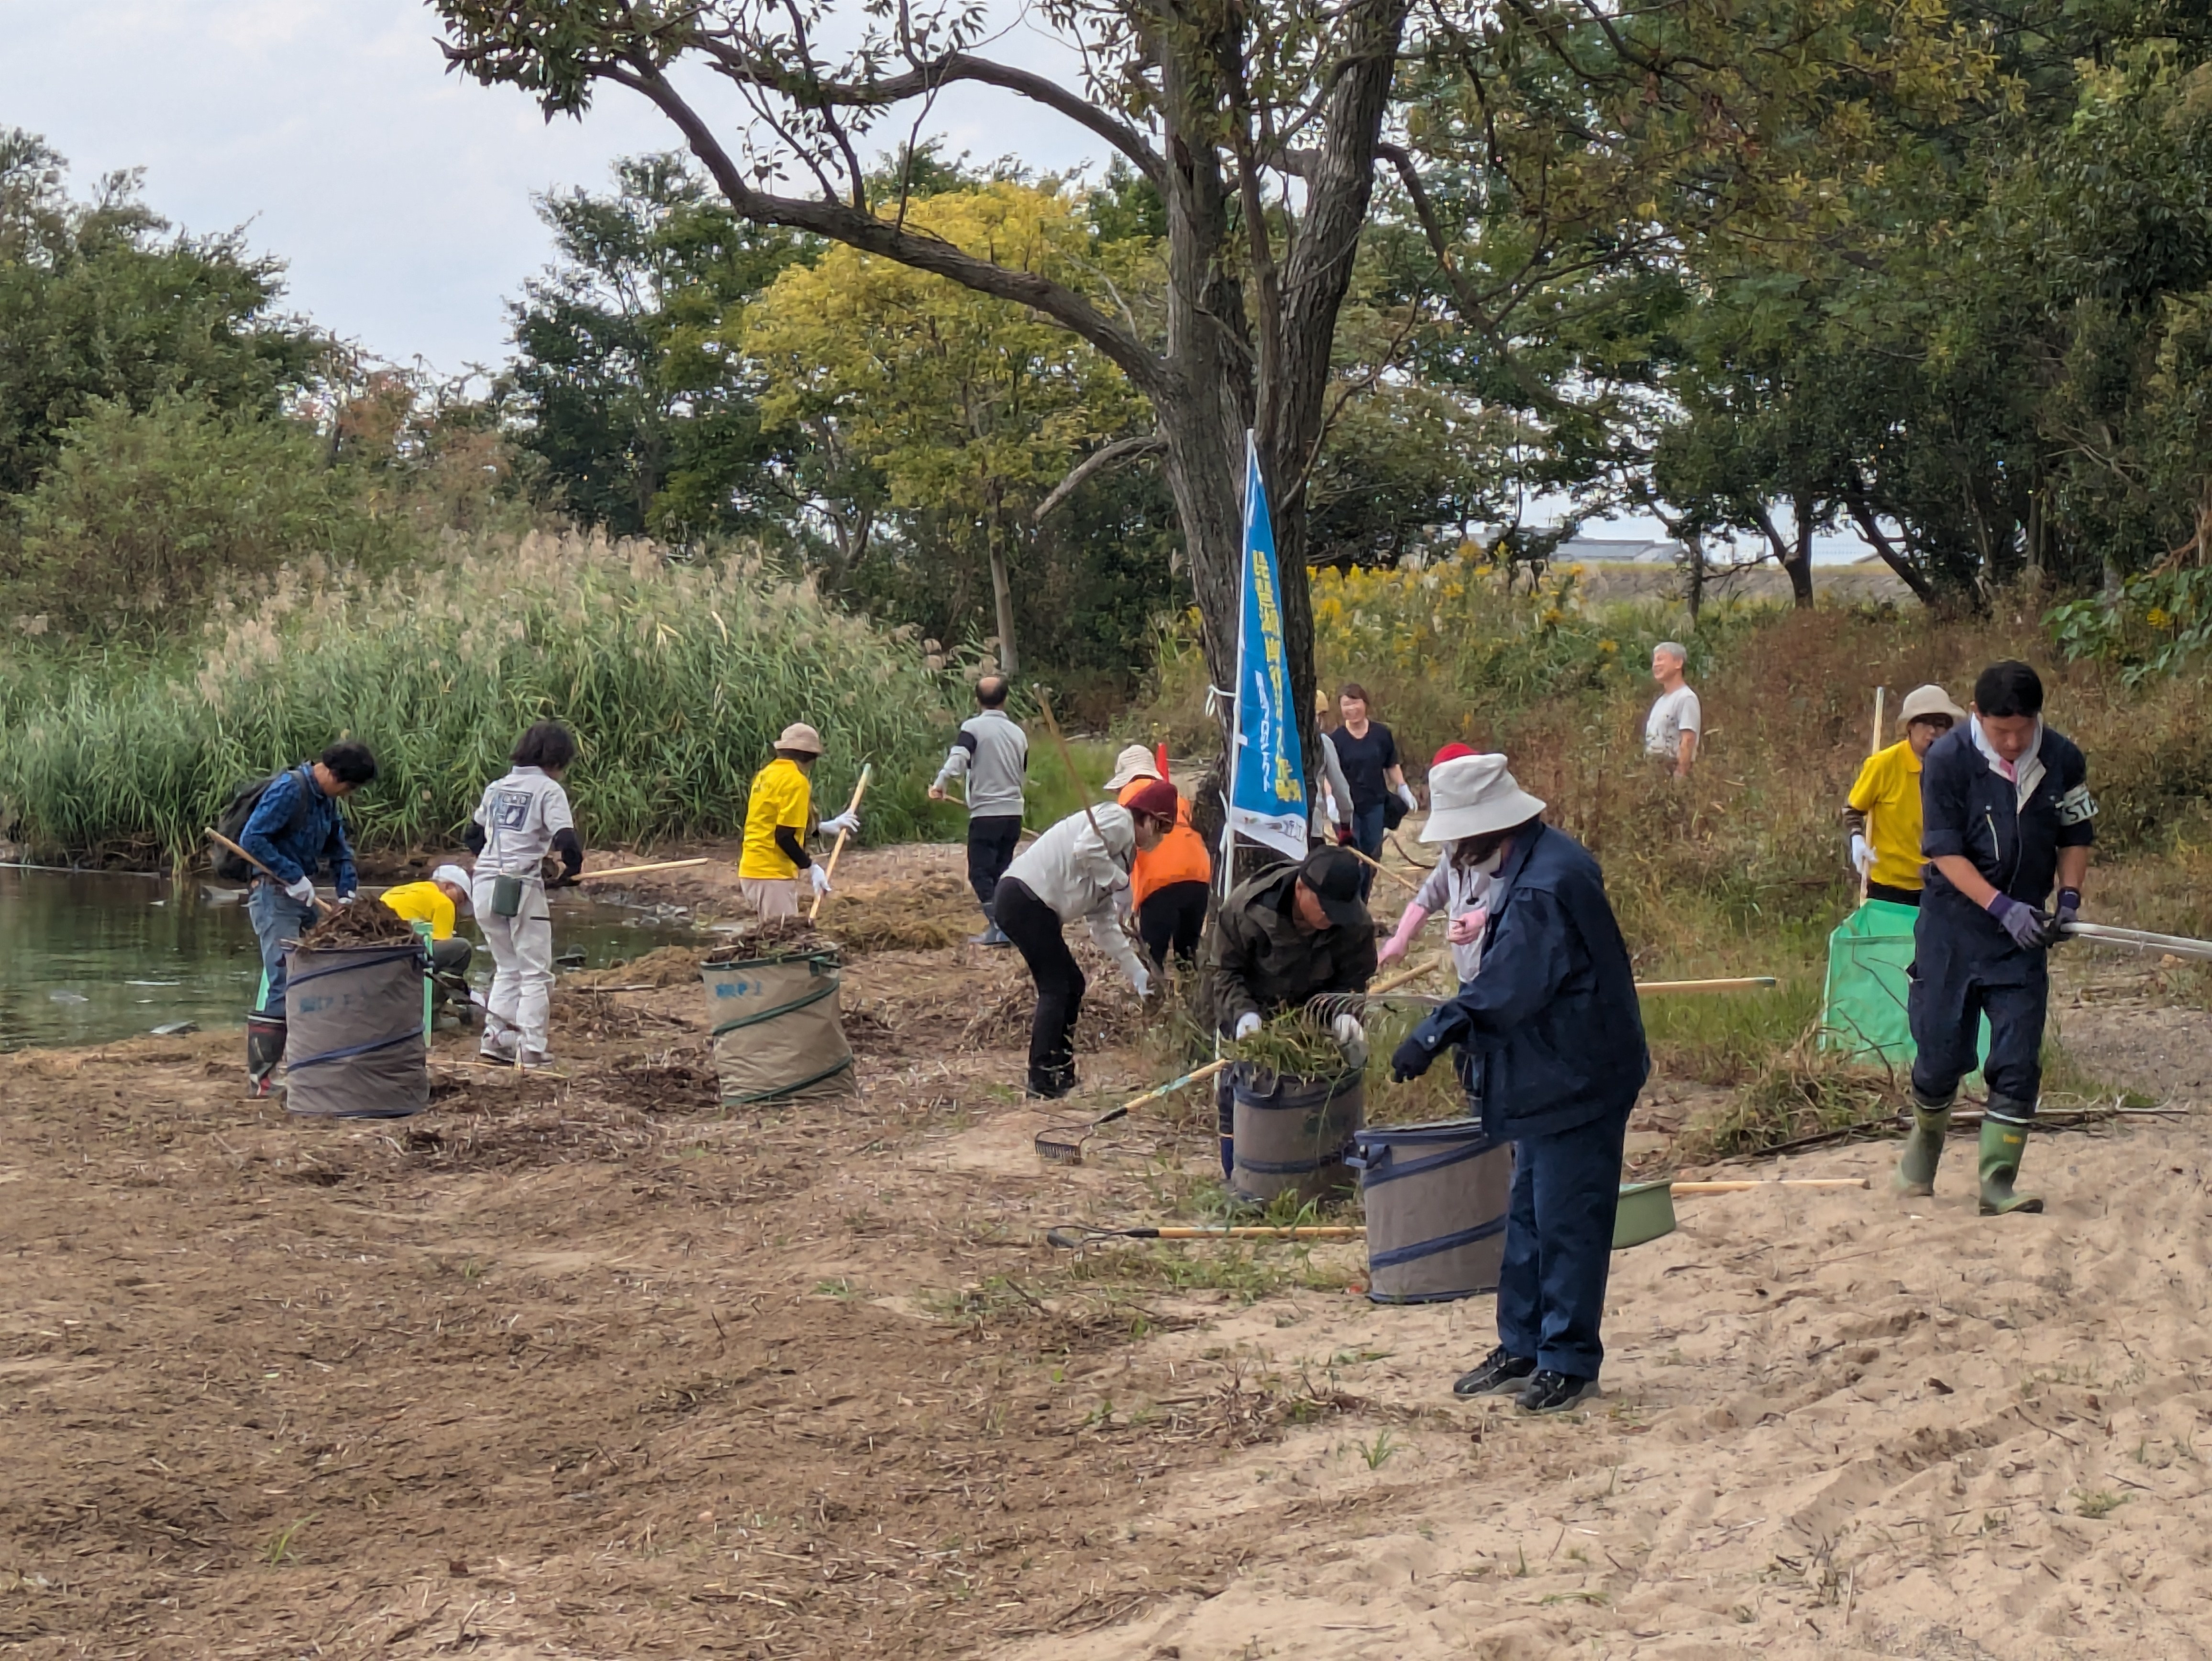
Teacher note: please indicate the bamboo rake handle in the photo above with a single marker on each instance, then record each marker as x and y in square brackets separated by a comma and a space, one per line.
[1407, 883]
[639, 870]
[1067, 758]
[1305, 1231]
[216, 835]
[860, 789]
[1736, 1186]
[1741, 983]
[1866, 876]
[1406, 978]
[1173, 1085]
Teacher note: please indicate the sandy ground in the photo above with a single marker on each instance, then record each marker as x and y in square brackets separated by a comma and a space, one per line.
[585, 1368]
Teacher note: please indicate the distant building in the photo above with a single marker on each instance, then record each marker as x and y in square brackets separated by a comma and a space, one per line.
[1617, 551]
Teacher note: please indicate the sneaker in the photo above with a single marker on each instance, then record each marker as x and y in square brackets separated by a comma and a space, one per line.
[260, 1090]
[536, 1058]
[500, 1055]
[1496, 1374]
[992, 936]
[1554, 1392]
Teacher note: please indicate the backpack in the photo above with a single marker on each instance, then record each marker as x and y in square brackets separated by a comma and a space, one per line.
[243, 800]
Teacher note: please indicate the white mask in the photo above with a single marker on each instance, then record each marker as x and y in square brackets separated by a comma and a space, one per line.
[1487, 866]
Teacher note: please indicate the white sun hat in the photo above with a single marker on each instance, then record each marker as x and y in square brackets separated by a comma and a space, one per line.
[453, 875]
[1132, 763]
[1471, 795]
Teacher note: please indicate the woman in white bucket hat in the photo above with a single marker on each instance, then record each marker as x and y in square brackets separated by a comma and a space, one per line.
[1554, 1041]
[1463, 801]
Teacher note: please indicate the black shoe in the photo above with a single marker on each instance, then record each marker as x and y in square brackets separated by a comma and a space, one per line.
[1050, 1087]
[1554, 1392]
[1495, 1374]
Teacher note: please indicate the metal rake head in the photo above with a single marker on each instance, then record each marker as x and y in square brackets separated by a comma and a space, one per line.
[1324, 1007]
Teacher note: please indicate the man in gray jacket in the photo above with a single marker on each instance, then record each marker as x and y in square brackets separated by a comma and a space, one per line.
[993, 753]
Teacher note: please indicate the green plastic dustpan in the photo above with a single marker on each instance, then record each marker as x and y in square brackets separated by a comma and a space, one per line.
[1646, 1212]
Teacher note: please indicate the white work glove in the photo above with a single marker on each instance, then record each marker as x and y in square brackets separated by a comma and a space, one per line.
[847, 821]
[1141, 979]
[1247, 1024]
[1405, 794]
[819, 877]
[1862, 855]
[1351, 1039]
[303, 890]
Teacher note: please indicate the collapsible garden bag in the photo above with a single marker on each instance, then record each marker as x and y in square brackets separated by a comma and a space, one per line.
[778, 1035]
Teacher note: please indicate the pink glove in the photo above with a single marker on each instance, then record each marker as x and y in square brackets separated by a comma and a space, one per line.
[1408, 926]
[1467, 929]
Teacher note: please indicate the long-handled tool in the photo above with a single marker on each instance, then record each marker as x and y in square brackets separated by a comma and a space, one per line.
[860, 789]
[639, 870]
[1063, 1144]
[2139, 939]
[217, 838]
[1406, 883]
[1075, 1234]
[1735, 984]
[1744, 1186]
[1067, 759]
[1327, 1006]
[1866, 875]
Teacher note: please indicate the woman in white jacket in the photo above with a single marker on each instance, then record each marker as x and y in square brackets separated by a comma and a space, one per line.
[1076, 870]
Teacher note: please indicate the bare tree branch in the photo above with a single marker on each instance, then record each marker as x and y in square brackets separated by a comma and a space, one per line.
[1105, 456]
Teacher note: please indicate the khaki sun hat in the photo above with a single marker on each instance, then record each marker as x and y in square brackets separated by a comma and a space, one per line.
[799, 736]
[1473, 795]
[1929, 701]
[1132, 763]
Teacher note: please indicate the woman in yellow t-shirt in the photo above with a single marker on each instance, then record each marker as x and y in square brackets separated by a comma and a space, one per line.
[1882, 815]
[438, 903]
[778, 810]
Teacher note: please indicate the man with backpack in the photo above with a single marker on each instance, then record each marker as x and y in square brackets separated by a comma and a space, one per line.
[293, 830]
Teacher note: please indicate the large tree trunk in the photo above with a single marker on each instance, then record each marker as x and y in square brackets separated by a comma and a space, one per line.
[1002, 593]
[1799, 563]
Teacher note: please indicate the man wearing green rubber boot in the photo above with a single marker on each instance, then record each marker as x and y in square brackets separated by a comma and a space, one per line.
[2005, 816]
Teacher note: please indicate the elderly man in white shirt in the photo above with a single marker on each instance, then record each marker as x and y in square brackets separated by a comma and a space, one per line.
[1671, 731]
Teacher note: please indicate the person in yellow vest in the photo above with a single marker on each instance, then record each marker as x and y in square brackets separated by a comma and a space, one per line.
[1882, 815]
[778, 811]
[440, 902]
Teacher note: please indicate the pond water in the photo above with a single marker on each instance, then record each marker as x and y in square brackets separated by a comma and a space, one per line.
[87, 957]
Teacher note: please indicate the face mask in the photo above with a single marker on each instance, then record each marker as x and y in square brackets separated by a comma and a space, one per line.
[1487, 865]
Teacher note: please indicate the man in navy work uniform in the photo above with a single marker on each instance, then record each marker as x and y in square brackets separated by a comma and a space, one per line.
[1551, 1026]
[2005, 813]
[294, 830]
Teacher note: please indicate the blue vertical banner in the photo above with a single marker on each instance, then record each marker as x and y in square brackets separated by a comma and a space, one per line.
[1267, 789]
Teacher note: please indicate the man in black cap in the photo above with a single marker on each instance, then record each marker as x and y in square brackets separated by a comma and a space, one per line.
[1282, 937]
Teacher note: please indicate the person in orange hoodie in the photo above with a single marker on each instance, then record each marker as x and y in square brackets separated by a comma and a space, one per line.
[1168, 885]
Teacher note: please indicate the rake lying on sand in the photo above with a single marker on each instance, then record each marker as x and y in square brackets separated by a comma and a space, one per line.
[1072, 1235]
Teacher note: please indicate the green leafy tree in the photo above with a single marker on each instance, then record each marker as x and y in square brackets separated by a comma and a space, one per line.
[622, 379]
[101, 302]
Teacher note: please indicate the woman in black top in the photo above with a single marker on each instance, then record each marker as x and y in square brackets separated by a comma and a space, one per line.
[1370, 756]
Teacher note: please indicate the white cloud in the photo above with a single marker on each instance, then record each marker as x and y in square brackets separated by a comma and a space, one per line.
[399, 194]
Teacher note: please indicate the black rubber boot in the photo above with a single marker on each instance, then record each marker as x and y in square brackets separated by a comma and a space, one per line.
[264, 1053]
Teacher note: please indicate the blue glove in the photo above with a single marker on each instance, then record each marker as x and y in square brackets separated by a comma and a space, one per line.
[1412, 1058]
[2024, 923]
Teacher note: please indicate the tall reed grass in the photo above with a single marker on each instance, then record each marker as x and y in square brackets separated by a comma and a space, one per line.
[677, 680]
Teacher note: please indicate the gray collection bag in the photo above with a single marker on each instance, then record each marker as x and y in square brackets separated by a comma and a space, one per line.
[354, 1048]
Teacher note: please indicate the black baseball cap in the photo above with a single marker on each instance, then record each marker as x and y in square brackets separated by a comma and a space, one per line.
[1334, 876]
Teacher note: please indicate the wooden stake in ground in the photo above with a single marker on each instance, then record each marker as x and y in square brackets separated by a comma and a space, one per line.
[1866, 875]
[860, 789]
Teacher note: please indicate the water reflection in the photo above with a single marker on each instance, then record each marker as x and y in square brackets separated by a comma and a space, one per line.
[86, 957]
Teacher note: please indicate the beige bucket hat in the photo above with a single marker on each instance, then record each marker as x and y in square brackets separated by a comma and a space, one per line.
[1929, 701]
[799, 736]
[1472, 794]
[1132, 763]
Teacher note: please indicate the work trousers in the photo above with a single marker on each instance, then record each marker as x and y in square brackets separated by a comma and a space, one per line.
[1035, 929]
[1171, 917]
[1368, 827]
[518, 1012]
[277, 918]
[1950, 992]
[1559, 1245]
[990, 841]
[449, 969]
[771, 897]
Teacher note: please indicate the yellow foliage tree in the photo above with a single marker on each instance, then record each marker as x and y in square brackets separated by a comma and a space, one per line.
[970, 407]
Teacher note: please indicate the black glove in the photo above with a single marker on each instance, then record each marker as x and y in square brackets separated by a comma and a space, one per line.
[1411, 1059]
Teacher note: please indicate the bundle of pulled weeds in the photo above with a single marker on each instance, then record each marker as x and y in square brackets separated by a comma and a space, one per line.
[364, 922]
[1290, 1046]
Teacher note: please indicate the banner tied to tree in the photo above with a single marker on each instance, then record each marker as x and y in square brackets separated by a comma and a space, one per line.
[1268, 792]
